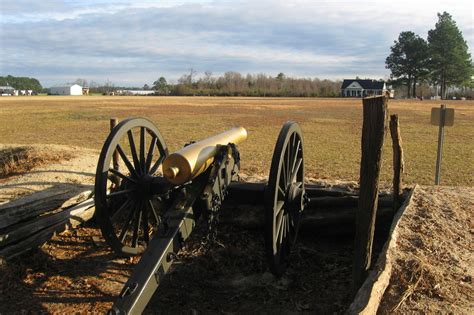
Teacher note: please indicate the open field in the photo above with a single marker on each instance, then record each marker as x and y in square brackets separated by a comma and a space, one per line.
[331, 129]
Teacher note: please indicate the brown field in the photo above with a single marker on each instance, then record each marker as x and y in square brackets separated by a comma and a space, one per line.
[331, 129]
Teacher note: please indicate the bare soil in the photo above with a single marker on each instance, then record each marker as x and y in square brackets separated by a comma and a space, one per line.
[73, 273]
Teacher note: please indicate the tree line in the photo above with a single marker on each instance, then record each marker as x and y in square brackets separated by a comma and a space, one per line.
[233, 83]
[21, 83]
[442, 60]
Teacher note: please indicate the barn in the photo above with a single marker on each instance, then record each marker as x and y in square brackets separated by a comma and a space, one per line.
[69, 89]
[362, 88]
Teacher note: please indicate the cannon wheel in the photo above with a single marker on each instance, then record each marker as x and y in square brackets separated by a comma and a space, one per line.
[284, 197]
[127, 212]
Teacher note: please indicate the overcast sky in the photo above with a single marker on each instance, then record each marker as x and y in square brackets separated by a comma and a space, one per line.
[135, 42]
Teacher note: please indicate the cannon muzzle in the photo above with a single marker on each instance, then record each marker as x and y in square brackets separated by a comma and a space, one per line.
[192, 160]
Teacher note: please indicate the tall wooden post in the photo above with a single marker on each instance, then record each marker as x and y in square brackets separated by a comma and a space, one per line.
[398, 161]
[373, 133]
[115, 157]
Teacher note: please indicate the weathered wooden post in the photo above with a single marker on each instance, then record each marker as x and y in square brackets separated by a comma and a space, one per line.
[398, 161]
[373, 133]
[115, 157]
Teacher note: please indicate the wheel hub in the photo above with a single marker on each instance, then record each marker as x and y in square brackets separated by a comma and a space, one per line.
[144, 187]
[295, 198]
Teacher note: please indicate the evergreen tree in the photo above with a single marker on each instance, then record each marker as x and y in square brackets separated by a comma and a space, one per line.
[161, 86]
[409, 60]
[450, 60]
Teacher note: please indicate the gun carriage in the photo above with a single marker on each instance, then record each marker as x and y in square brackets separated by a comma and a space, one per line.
[148, 201]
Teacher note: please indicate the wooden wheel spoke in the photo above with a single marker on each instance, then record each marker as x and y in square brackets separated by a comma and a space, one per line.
[146, 229]
[119, 210]
[281, 231]
[120, 192]
[281, 191]
[295, 155]
[122, 176]
[279, 206]
[153, 211]
[126, 224]
[149, 157]
[136, 227]
[279, 222]
[291, 145]
[127, 162]
[156, 165]
[296, 170]
[287, 166]
[133, 149]
[142, 149]
[285, 228]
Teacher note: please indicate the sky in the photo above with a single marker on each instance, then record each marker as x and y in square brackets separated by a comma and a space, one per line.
[130, 43]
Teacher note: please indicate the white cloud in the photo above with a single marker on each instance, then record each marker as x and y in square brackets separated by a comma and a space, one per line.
[136, 41]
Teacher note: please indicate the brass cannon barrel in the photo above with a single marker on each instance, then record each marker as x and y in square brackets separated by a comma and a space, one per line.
[190, 161]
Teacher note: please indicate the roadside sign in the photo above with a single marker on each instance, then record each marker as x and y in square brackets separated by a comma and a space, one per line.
[448, 116]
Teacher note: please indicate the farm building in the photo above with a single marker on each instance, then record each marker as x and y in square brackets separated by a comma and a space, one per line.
[135, 92]
[69, 89]
[362, 88]
[6, 90]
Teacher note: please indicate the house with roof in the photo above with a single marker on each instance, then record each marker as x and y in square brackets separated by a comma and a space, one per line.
[7, 90]
[362, 88]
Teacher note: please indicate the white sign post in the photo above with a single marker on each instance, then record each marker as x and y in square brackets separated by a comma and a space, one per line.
[441, 117]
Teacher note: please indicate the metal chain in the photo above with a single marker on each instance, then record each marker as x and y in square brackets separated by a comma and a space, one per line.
[212, 223]
[213, 212]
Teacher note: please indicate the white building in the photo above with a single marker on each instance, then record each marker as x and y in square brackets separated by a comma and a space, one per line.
[362, 88]
[135, 92]
[6, 90]
[70, 89]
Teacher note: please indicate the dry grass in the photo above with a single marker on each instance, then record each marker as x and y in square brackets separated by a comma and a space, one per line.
[331, 129]
[432, 266]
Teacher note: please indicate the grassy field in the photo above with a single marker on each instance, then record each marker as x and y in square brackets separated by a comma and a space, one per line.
[331, 129]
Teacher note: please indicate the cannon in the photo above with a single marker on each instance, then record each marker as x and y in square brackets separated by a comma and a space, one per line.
[148, 201]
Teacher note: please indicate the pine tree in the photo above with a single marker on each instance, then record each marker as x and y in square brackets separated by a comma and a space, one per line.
[408, 61]
[451, 63]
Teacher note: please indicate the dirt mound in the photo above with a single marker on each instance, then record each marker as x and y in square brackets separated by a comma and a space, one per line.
[32, 172]
[17, 160]
[433, 265]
